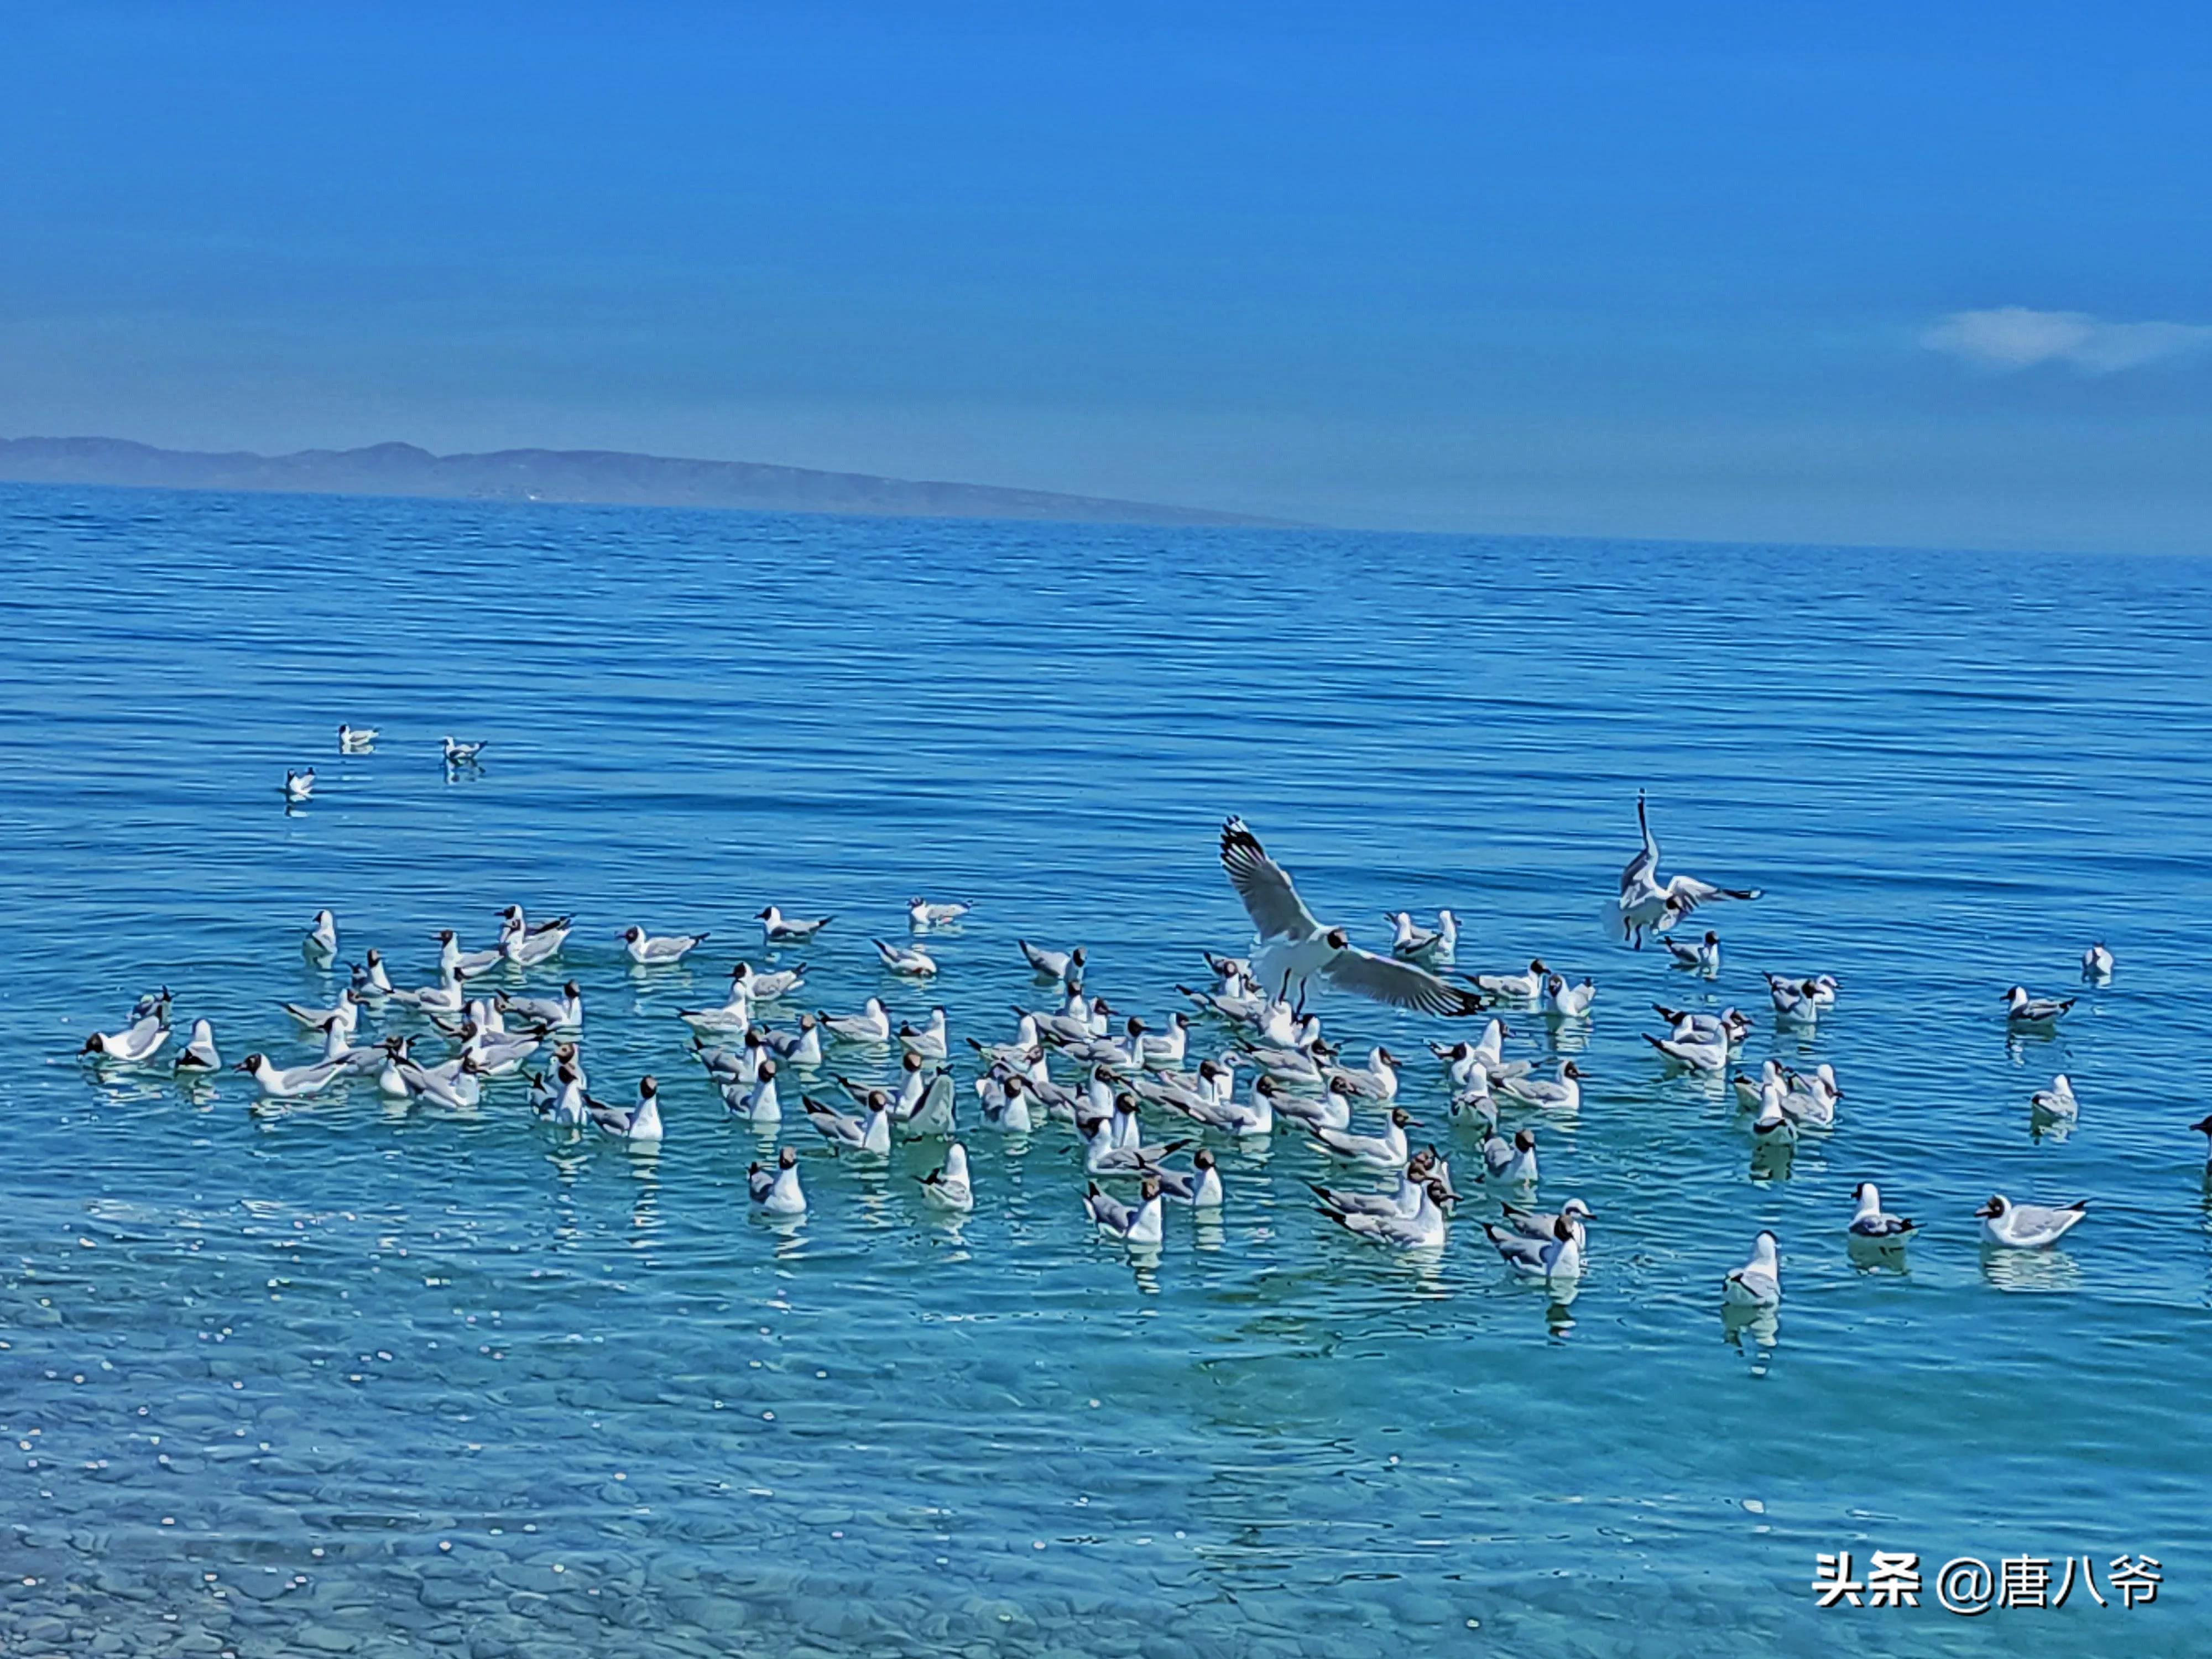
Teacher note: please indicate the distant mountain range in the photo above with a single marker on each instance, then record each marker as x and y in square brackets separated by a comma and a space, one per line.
[562, 475]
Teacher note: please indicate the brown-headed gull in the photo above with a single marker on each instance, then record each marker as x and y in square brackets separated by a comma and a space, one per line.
[2027, 1226]
[1557, 1255]
[658, 950]
[1423, 1230]
[777, 1191]
[1138, 1223]
[1065, 965]
[777, 927]
[2023, 1010]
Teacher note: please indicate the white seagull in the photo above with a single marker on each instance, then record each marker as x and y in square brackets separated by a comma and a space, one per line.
[2097, 964]
[199, 1055]
[355, 740]
[1511, 1162]
[1294, 946]
[1513, 987]
[280, 1085]
[1705, 956]
[948, 1187]
[776, 1192]
[871, 1025]
[133, 1045]
[1647, 902]
[1559, 1255]
[1427, 946]
[647, 951]
[2058, 1100]
[2023, 1010]
[321, 942]
[1140, 1224]
[776, 926]
[922, 916]
[1423, 1230]
[852, 1133]
[2027, 1226]
[1565, 1001]
[1562, 1094]
[1869, 1223]
[1052, 964]
[1758, 1283]
[463, 754]
[910, 960]
[641, 1122]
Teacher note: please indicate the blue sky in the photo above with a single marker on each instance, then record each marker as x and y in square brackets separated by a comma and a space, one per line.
[1932, 275]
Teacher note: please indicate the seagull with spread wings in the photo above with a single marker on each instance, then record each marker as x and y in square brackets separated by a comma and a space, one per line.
[1294, 947]
[1646, 902]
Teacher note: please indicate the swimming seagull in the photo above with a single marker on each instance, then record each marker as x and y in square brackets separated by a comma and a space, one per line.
[299, 786]
[1646, 902]
[464, 965]
[1705, 956]
[2203, 1127]
[2097, 964]
[1410, 943]
[948, 1187]
[369, 979]
[910, 960]
[562, 1014]
[2027, 1226]
[1758, 1283]
[2021, 1009]
[463, 754]
[526, 943]
[1559, 1256]
[1563, 1095]
[758, 1104]
[1052, 964]
[930, 1041]
[922, 915]
[1516, 987]
[1386, 1150]
[1200, 1186]
[776, 926]
[346, 1014]
[767, 988]
[1565, 1001]
[1403, 1199]
[199, 1055]
[1869, 1223]
[1423, 1230]
[133, 1045]
[776, 1192]
[1294, 946]
[1535, 1224]
[2058, 1100]
[280, 1085]
[641, 1122]
[852, 1134]
[355, 740]
[321, 942]
[1512, 1162]
[870, 1025]
[649, 952]
[1140, 1224]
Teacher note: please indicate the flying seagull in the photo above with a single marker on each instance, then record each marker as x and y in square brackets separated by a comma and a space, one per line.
[1294, 946]
[1646, 902]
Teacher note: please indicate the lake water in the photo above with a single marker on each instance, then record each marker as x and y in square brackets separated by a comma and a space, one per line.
[347, 1379]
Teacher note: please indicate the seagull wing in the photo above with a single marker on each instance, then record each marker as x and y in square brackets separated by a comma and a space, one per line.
[1264, 885]
[1400, 984]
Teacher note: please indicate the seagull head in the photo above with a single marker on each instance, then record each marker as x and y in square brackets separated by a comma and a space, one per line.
[1524, 1140]
[1400, 1117]
[1996, 1207]
[1337, 939]
[1576, 1209]
[787, 1159]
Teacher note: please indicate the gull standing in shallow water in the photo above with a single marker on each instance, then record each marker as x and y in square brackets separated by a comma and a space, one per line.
[1758, 1283]
[1294, 946]
[2027, 1226]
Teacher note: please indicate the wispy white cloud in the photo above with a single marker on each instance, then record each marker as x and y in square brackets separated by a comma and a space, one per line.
[2013, 336]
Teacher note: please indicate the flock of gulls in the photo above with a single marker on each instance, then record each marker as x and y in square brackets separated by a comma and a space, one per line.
[1146, 1107]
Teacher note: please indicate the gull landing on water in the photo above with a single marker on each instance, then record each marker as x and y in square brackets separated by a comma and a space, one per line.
[1294, 947]
[1648, 904]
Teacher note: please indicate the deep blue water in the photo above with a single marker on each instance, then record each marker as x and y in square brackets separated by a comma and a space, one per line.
[342, 1378]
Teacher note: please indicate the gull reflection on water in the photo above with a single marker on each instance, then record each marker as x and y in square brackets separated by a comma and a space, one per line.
[1762, 1325]
[2030, 1270]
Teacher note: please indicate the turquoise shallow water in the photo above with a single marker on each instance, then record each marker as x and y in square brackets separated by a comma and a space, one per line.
[339, 1379]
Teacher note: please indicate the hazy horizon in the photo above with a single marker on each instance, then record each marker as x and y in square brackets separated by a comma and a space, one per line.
[1884, 278]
